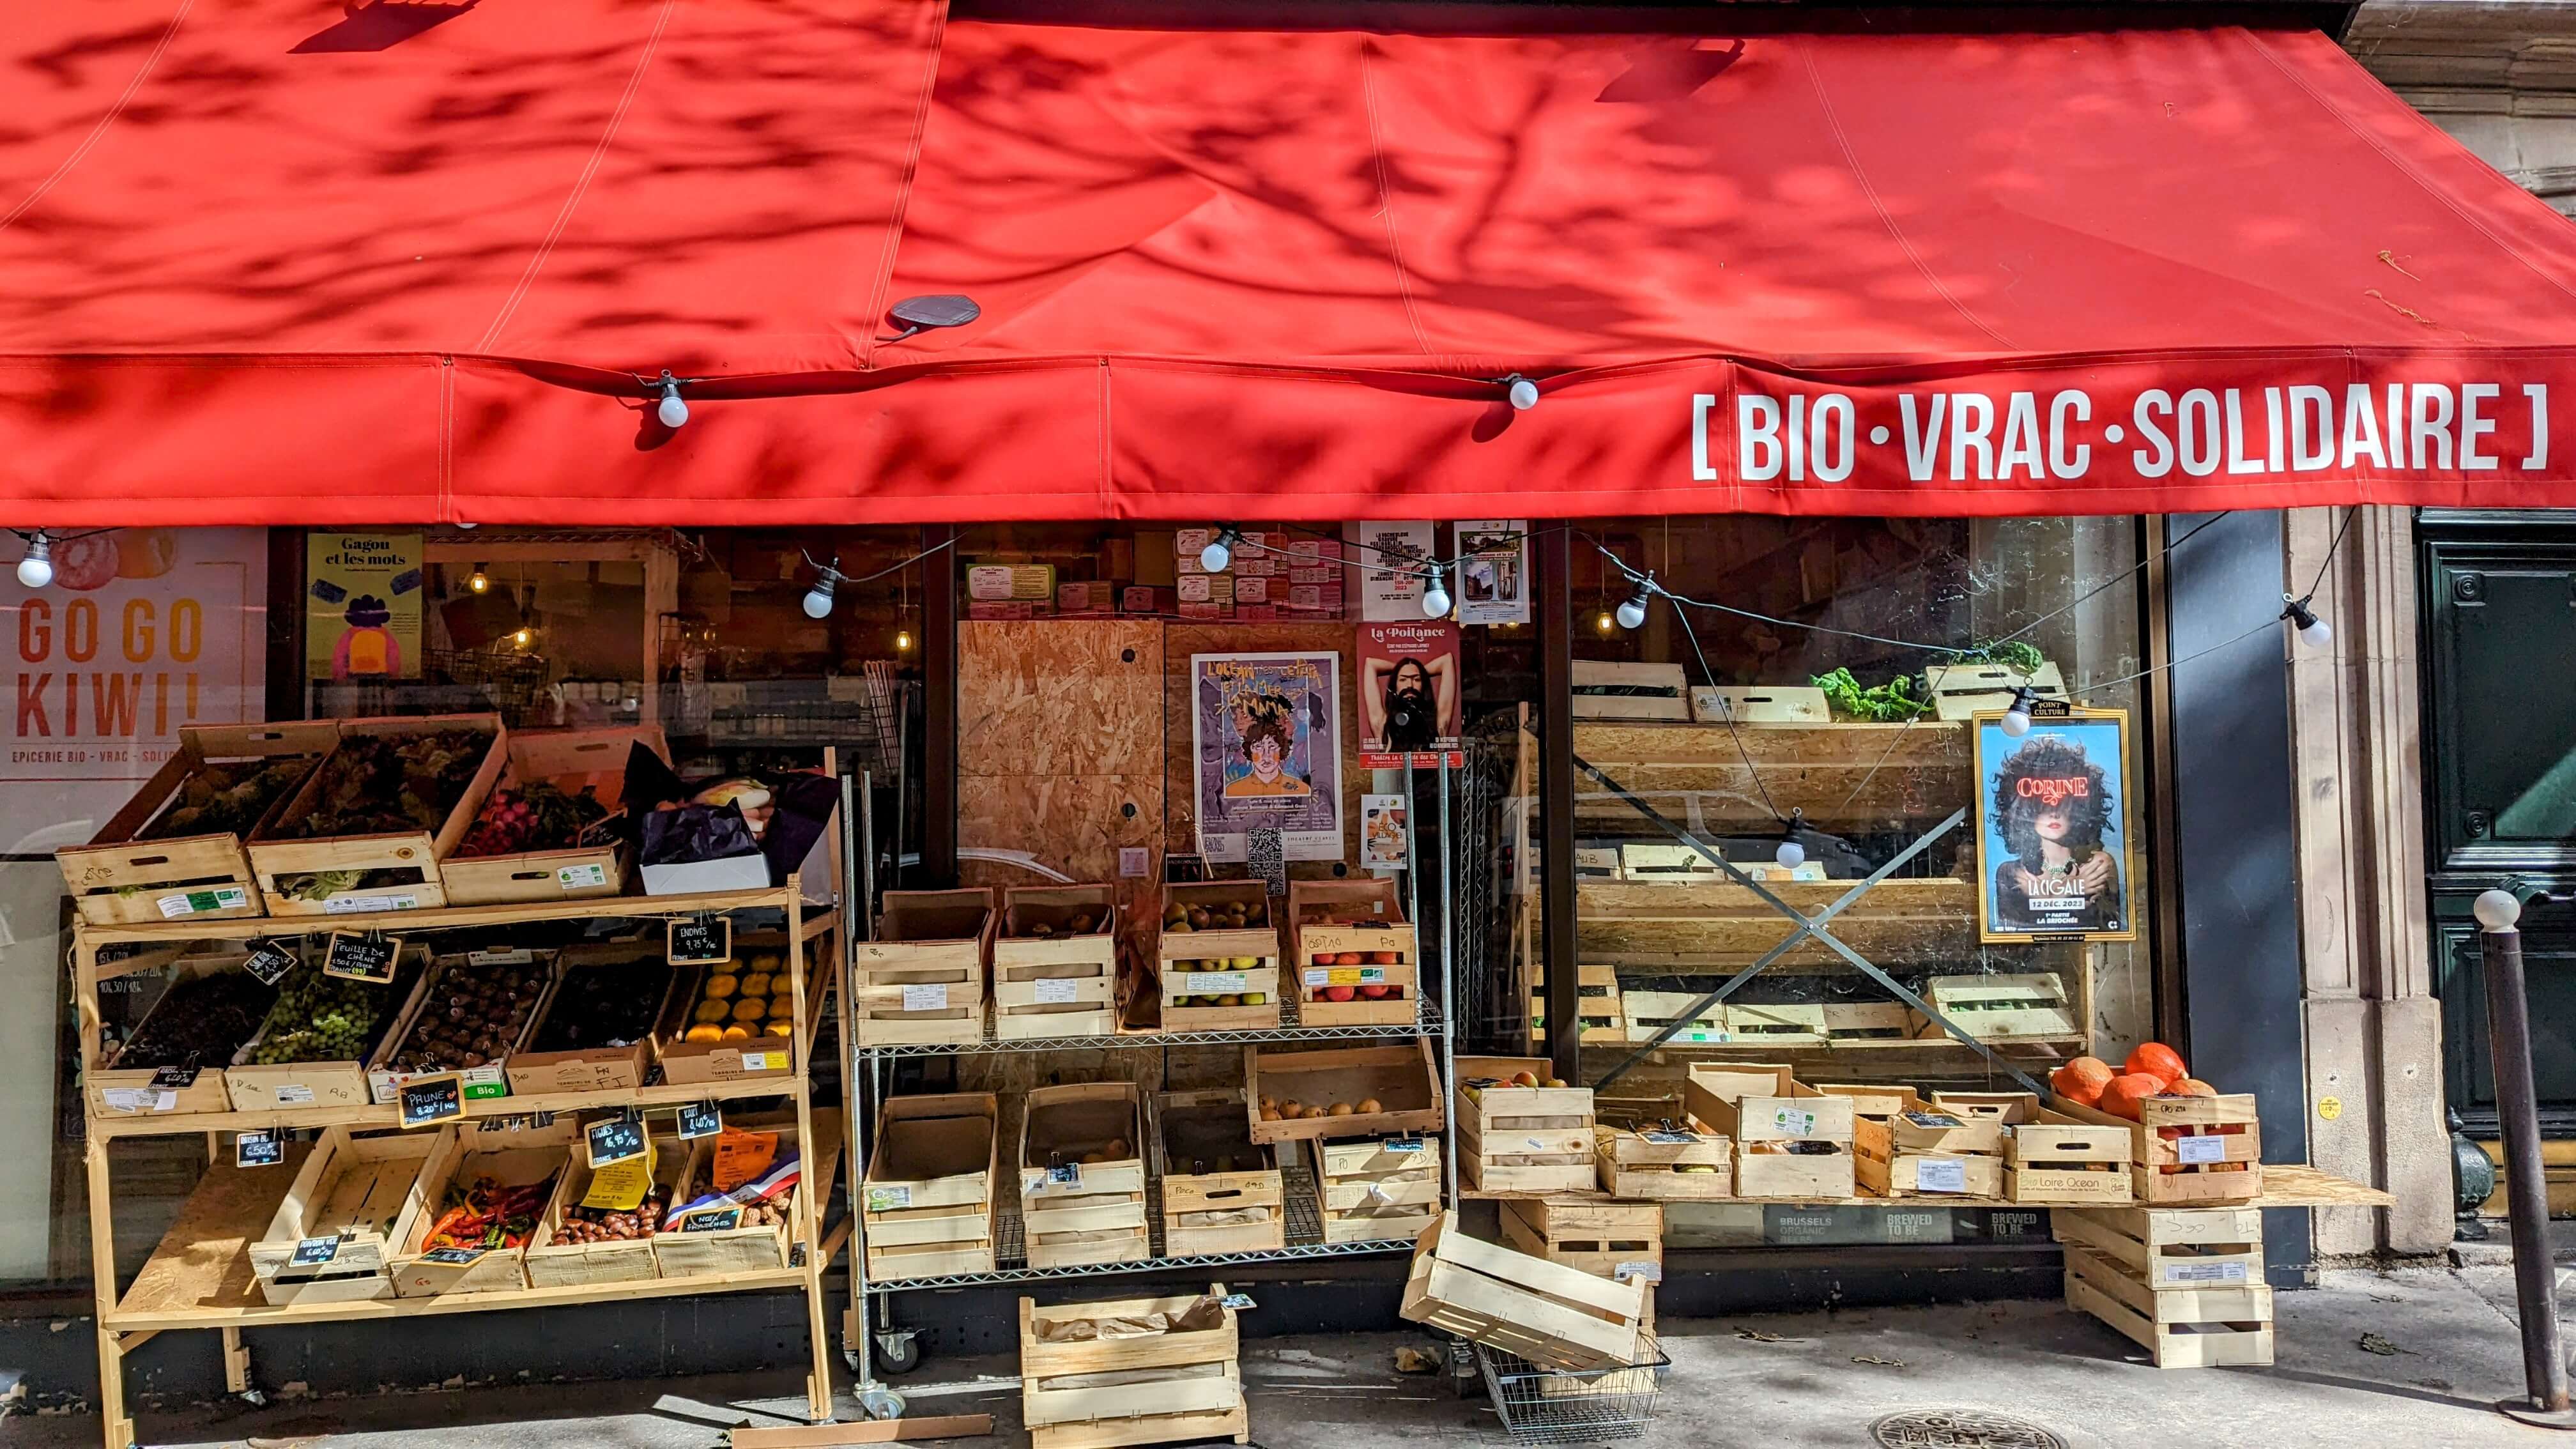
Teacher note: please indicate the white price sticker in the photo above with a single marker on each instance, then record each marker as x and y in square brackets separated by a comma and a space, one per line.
[574, 877]
[166, 1102]
[2193, 1151]
[294, 1094]
[1215, 983]
[1795, 1121]
[2204, 1272]
[1640, 1272]
[764, 1061]
[126, 1099]
[1053, 992]
[367, 905]
[933, 997]
[1940, 1174]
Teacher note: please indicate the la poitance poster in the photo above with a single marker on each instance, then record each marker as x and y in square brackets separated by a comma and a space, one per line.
[1266, 739]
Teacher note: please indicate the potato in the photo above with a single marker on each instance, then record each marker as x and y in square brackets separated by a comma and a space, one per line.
[1341, 1109]
[1370, 1108]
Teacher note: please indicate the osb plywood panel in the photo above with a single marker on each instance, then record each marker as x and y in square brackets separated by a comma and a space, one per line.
[1180, 641]
[1173, 1069]
[1059, 697]
[1072, 824]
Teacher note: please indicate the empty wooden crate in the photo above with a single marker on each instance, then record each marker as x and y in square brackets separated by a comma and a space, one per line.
[1664, 1164]
[1082, 1175]
[1377, 1192]
[1055, 962]
[1550, 1314]
[1521, 1138]
[1597, 1003]
[921, 980]
[2028, 1006]
[927, 1200]
[332, 1238]
[1131, 1371]
[1222, 1191]
[1621, 1241]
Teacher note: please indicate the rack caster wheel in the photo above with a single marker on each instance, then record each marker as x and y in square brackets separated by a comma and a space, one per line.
[899, 1350]
[881, 1403]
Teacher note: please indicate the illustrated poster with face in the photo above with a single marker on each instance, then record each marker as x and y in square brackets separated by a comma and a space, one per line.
[2053, 843]
[1266, 740]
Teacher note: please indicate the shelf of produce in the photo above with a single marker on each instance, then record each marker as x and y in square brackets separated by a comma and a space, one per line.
[1707, 924]
[1427, 1023]
[369, 1118]
[1305, 1230]
[200, 1275]
[1843, 775]
[446, 918]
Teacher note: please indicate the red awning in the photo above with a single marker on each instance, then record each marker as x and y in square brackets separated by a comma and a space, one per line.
[260, 263]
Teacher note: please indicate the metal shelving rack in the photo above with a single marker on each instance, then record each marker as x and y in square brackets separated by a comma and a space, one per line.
[1305, 1228]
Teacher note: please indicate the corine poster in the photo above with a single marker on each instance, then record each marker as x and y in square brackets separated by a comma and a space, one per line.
[2053, 828]
[1266, 738]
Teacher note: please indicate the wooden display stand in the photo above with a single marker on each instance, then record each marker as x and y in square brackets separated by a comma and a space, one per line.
[570, 760]
[1664, 1164]
[1062, 983]
[2185, 1284]
[1402, 1080]
[227, 1262]
[1372, 1192]
[2215, 1156]
[1521, 1139]
[1552, 1315]
[1187, 973]
[1222, 1192]
[928, 1197]
[1158, 1388]
[407, 853]
[118, 879]
[1362, 958]
[1076, 1211]
[1621, 1241]
[922, 979]
[1776, 1122]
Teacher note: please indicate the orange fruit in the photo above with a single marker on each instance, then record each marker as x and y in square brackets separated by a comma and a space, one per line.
[2081, 1081]
[2122, 1096]
[2159, 1061]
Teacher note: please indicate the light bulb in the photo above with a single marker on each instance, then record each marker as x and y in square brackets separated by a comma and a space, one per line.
[1220, 550]
[673, 411]
[37, 569]
[1605, 623]
[902, 639]
[818, 601]
[1435, 595]
[2016, 720]
[1522, 392]
[1791, 855]
[2316, 633]
[523, 637]
[481, 582]
[1632, 610]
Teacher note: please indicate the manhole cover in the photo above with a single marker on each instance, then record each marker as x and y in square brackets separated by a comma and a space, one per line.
[1960, 1429]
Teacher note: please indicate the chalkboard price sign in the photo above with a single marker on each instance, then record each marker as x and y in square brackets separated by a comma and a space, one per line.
[258, 1149]
[719, 1221]
[700, 941]
[452, 1256]
[362, 956]
[268, 962]
[700, 1119]
[314, 1252]
[175, 1079]
[614, 1140]
[431, 1100]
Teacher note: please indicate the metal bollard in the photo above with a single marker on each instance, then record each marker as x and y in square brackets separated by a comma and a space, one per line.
[2544, 1368]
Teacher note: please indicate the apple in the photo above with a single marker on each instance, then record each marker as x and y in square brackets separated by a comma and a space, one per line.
[1524, 1079]
[1256, 998]
[1374, 992]
[1325, 958]
[1347, 958]
[1340, 993]
[1384, 958]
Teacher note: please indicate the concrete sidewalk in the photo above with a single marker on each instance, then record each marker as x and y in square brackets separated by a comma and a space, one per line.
[2441, 1346]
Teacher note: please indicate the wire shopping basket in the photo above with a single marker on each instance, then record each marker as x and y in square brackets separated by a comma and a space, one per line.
[1574, 1406]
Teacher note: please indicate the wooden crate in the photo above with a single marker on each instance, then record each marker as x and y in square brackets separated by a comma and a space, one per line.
[364, 1195]
[119, 1091]
[1064, 983]
[1401, 1079]
[1598, 1005]
[2206, 1328]
[601, 1067]
[1858, 1023]
[685, 1248]
[285, 1086]
[1333, 954]
[1074, 1212]
[2171, 1249]
[490, 1080]
[2008, 1108]
[1960, 691]
[1660, 1164]
[1521, 1139]
[1903, 1146]
[514, 1156]
[405, 853]
[2005, 1007]
[1637, 691]
[2055, 1159]
[119, 880]
[1764, 1110]
[922, 980]
[928, 1199]
[1550, 1314]
[766, 1055]
[1222, 1192]
[1759, 704]
[1379, 1191]
[551, 1263]
[1786, 1026]
[1649, 1012]
[570, 760]
[1098, 1393]
[1621, 1241]
[2228, 1169]
[1193, 967]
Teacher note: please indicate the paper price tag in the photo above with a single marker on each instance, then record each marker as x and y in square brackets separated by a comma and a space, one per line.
[367, 905]
[2204, 1273]
[889, 1199]
[258, 1149]
[700, 1119]
[697, 943]
[620, 1186]
[575, 877]
[1640, 1272]
[126, 1099]
[198, 903]
[268, 962]
[1215, 983]
[432, 1100]
[2194, 1151]
[314, 1252]
[362, 957]
[933, 997]
[1795, 1121]
[1055, 992]
[615, 1140]
[1940, 1174]
[294, 1094]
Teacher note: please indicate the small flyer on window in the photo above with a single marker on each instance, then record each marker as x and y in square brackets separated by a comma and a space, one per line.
[1388, 559]
[1384, 842]
[1493, 571]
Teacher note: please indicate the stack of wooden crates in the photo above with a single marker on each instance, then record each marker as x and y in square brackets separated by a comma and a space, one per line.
[928, 1196]
[1620, 1241]
[1132, 1371]
[1521, 1139]
[1082, 1175]
[2185, 1283]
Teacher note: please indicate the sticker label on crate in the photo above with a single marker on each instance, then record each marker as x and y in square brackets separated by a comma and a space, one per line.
[576, 877]
[127, 1099]
[1669, 1137]
[1056, 991]
[314, 1252]
[437, 1099]
[1215, 983]
[1796, 1121]
[294, 1094]
[1940, 1174]
[700, 1119]
[932, 997]
[1640, 1272]
[2194, 1151]
[367, 905]
[1237, 1301]
[453, 1257]
[1065, 1174]
[366, 956]
[2203, 1272]
[1345, 975]
[268, 962]
[889, 1199]
[258, 1149]
[198, 903]
[764, 1061]
[502, 956]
